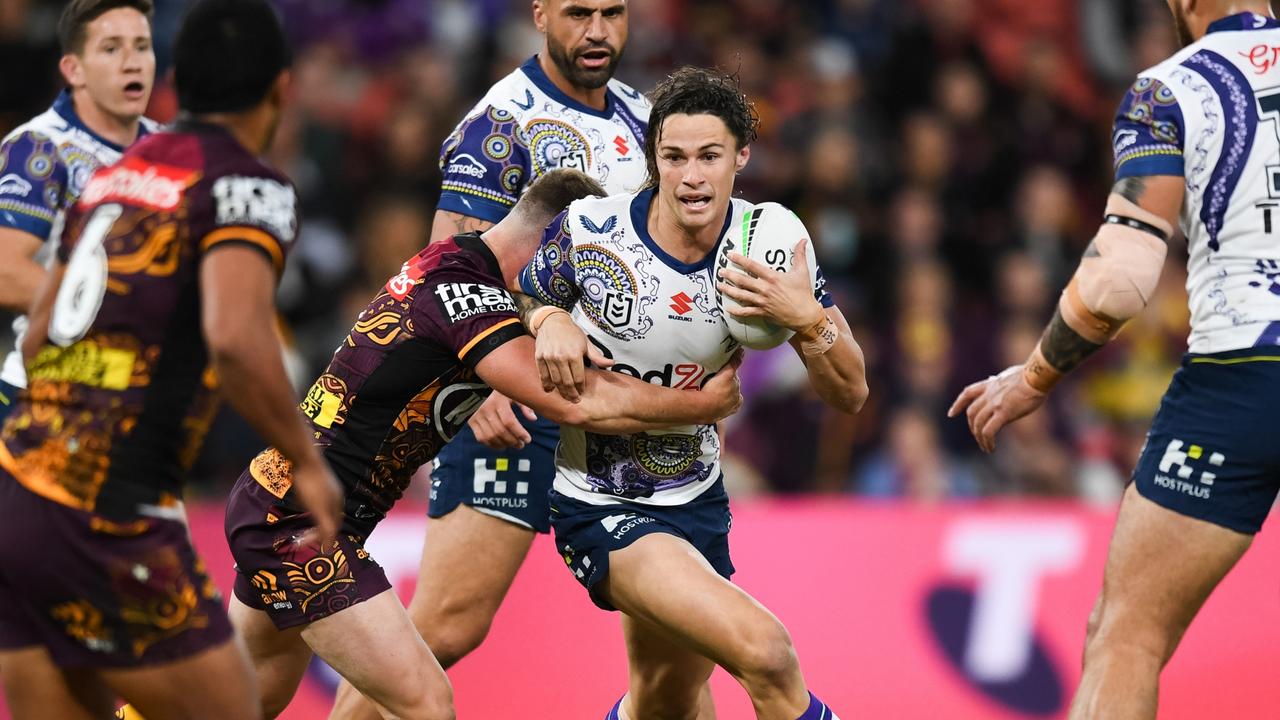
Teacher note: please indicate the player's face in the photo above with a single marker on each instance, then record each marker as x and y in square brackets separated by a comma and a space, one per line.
[585, 38]
[697, 158]
[117, 65]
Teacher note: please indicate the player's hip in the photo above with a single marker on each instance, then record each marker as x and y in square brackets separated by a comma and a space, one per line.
[99, 593]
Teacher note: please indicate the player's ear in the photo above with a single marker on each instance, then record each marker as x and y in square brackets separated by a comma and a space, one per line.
[540, 15]
[72, 70]
[744, 156]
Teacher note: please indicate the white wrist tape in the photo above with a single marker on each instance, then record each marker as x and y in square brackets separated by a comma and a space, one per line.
[1113, 285]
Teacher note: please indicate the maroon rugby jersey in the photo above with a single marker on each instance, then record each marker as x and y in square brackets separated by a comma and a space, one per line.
[120, 396]
[403, 381]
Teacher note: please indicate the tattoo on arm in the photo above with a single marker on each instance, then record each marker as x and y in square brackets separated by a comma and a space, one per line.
[1130, 188]
[1063, 347]
[525, 305]
[466, 223]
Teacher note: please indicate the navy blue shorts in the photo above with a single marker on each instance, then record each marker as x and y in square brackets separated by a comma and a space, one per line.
[509, 484]
[8, 397]
[586, 534]
[1212, 452]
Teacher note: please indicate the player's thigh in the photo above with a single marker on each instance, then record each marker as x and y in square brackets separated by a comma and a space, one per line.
[469, 561]
[663, 580]
[665, 674]
[1160, 569]
[211, 685]
[35, 687]
[376, 648]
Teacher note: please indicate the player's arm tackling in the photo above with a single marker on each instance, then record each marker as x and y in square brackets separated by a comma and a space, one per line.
[237, 288]
[1113, 283]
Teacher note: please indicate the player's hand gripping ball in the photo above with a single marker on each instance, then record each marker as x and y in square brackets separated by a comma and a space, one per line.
[768, 234]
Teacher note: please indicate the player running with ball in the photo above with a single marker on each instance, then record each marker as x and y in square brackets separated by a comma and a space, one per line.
[642, 520]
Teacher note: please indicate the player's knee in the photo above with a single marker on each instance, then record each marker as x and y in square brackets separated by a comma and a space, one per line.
[451, 629]
[767, 659]
[1137, 636]
[434, 703]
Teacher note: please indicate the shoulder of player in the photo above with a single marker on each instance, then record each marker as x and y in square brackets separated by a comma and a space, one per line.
[594, 218]
[150, 126]
[515, 94]
[47, 127]
[629, 95]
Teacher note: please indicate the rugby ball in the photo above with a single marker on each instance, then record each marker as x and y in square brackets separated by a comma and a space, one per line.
[768, 234]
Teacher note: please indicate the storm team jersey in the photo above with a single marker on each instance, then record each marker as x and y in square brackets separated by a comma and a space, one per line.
[1211, 114]
[526, 126]
[44, 165]
[120, 397]
[403, 381]
[657, 318]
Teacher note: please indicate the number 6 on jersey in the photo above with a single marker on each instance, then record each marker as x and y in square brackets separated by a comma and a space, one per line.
[85, 282]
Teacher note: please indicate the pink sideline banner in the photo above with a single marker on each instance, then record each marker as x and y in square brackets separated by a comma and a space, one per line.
[897, 611]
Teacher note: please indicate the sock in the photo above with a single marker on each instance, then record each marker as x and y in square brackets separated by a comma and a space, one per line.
[817, 710]
[616, 712]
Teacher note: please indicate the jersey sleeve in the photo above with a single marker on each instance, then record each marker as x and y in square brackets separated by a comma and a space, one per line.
[820, 290]
[473, 316]
[550, 276]
[253, 210]
[33, 182]
[486, 165]
[1149, 131]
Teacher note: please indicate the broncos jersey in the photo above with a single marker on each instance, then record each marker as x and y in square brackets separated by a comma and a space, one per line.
[120, 395]
[526, 126]
[657, 318]
[1211, 114]
[44, 165]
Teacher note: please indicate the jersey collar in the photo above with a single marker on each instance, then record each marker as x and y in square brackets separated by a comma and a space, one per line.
[533, 70]
[640, 205]
[473, 242]
[66, 109]
[1243, 21]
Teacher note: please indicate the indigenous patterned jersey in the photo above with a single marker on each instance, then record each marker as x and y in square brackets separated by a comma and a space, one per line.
[526, 126]
[119, 398]
[1211, 114]
[44, 164]
[657, 318]
[403, 381]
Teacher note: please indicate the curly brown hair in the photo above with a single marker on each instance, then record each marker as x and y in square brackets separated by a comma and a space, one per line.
[699, 91]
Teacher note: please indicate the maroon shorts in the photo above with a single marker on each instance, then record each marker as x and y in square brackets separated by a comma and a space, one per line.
[295, 582]
[101, 594]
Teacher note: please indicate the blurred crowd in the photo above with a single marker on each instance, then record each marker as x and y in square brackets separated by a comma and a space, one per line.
[950, 157]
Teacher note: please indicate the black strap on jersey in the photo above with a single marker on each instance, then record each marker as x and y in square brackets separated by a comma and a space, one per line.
[1136, 224]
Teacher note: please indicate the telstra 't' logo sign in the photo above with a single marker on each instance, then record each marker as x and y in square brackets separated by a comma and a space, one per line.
[988, 631]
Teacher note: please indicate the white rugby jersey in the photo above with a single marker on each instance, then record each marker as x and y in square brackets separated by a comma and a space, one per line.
[657, 318]
[1211, 114]
[44, 165]
[526, 126]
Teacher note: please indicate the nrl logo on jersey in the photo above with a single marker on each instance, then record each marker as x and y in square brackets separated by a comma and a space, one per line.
[602, 229]
[618, 308]
[257, 201]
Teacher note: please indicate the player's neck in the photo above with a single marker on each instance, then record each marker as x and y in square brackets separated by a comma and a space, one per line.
[121, 131]
[687, 245]
[246, 127]
[591, 97]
